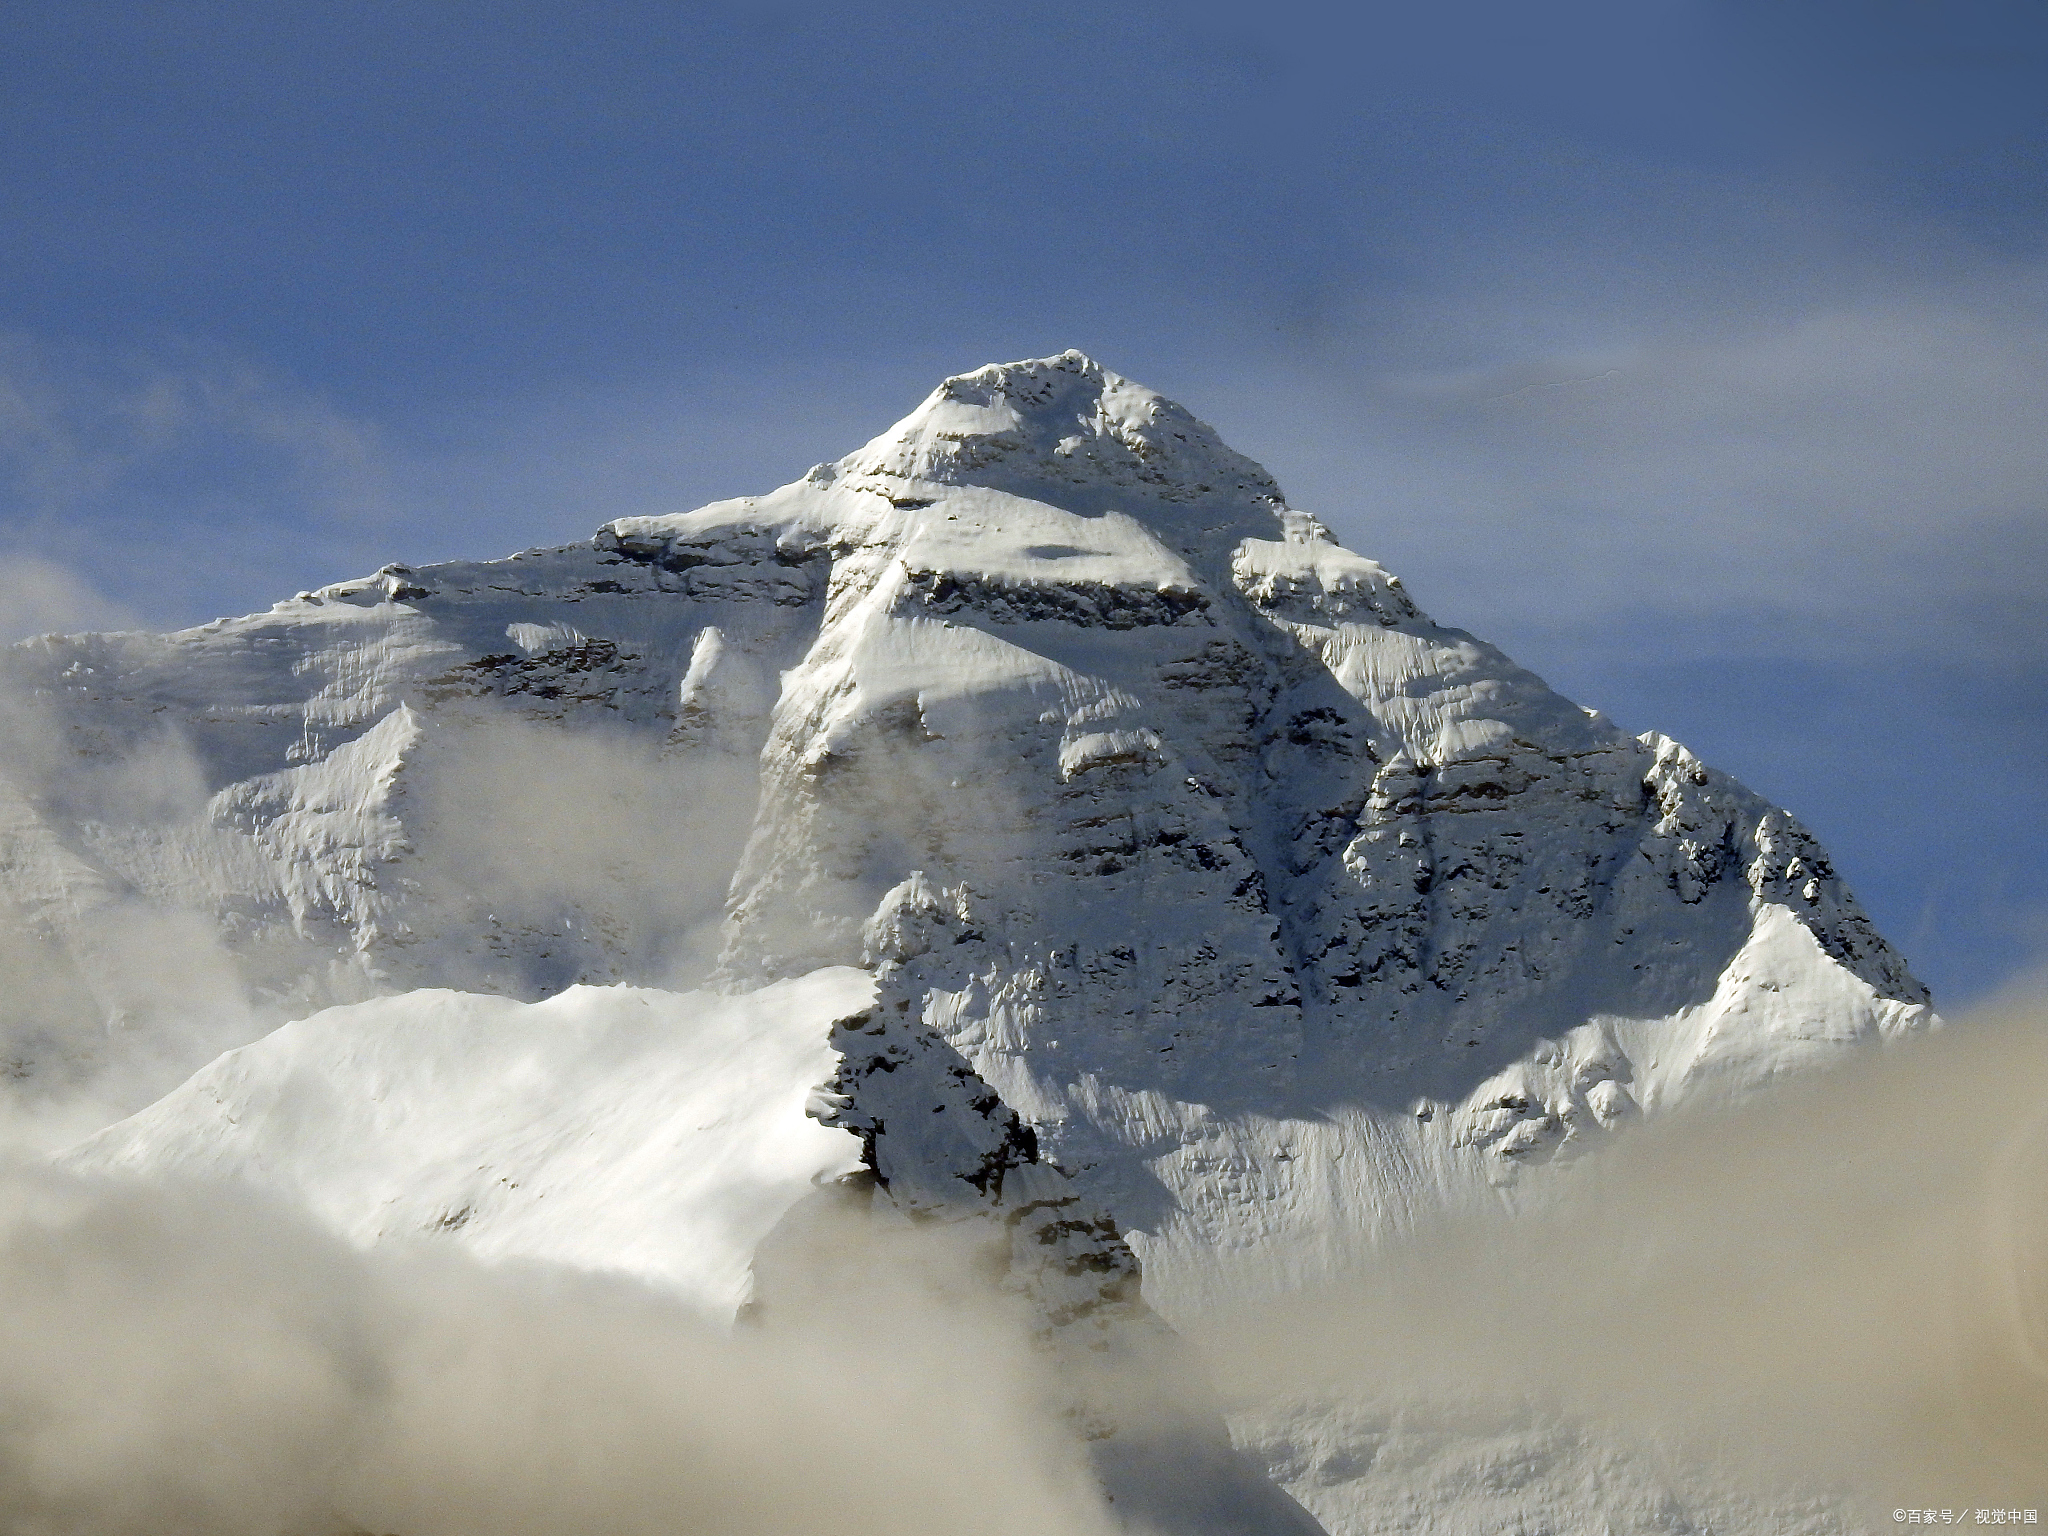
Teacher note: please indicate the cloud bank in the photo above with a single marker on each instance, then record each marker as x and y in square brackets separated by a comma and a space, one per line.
[1838, 1290]
[194, 1361]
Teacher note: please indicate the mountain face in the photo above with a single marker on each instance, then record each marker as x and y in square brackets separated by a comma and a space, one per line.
[1225, 913]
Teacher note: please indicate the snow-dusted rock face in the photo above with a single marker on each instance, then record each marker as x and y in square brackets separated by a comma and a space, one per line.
[1220, 902]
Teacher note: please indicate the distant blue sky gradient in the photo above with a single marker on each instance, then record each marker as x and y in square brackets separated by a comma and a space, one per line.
[1696, 353]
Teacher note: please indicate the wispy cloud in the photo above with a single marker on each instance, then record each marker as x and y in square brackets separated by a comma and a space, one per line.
[41, 597]
[138, 481]
[1865, 473]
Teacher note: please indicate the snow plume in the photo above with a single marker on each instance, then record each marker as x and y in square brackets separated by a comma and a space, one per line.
[41, 597]
[186, 1361]
[1839, 1291]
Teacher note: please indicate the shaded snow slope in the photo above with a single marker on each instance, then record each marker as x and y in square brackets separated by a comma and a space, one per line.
[621, 1129]
[1207, 881]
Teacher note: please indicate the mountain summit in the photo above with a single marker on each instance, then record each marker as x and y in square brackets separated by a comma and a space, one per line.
[1067, 426]
[1224, 913]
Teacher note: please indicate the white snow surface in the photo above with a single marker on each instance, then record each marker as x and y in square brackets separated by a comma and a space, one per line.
[655, 1134]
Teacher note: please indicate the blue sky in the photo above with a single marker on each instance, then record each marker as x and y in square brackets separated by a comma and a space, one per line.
[1698, 354]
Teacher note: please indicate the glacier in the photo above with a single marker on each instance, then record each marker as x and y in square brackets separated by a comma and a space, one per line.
[1221, 915]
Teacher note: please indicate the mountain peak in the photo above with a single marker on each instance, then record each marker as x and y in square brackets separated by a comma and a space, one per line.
[1053, 427]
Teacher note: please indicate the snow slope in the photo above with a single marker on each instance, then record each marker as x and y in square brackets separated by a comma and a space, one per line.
[654, 1134]
[1200, 872]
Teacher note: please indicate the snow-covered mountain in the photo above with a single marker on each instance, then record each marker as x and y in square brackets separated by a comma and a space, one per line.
[1225, 913]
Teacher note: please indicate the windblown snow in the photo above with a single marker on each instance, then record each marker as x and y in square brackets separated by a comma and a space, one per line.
[1224, 914]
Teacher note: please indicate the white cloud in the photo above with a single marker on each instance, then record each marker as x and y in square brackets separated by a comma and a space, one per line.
[1866, 473]
[1839, 1288]
[193, 1360]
